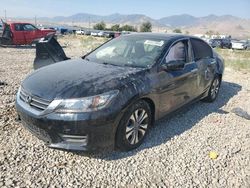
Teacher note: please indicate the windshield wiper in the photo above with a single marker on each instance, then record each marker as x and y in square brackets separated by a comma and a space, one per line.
[133, 66]
[105, 63]
[87, 59]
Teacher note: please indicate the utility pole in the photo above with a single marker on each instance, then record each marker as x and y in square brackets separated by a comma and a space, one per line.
[5, 14]
[89, 22]
[35, 21]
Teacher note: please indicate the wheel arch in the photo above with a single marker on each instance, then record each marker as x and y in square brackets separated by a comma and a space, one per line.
[152, 107]
[146, 99]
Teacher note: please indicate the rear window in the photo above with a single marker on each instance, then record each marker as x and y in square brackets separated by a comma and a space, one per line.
[201, 49]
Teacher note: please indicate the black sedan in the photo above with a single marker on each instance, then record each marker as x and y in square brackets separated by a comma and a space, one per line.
[221, 43]
[112, 96]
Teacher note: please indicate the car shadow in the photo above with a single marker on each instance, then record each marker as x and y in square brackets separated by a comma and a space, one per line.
[166, 128]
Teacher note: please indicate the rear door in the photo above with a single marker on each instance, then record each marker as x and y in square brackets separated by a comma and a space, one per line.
[178, 87]
[206, 63]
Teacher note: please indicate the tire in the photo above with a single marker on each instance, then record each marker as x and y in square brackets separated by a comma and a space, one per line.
[130, 133]
[214, 89]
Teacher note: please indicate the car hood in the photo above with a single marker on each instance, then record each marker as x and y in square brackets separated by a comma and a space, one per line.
[48, 30]
[77, 78]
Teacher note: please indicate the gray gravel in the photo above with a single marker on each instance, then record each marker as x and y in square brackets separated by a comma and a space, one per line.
[174, 154]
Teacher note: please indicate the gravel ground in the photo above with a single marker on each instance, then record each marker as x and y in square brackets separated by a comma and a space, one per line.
[174, 154]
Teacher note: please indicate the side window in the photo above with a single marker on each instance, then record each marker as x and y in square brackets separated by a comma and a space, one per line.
[29, 27]
[177, 52]
[18, 27]
[201, 49]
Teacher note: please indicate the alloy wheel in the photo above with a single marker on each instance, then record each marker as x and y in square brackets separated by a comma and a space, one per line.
[137, 126]
[215, 88]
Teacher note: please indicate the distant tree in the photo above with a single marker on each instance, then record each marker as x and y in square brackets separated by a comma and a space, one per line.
[146, 27]
[187, 32]
[128, 28]
[217, 33]
[240, 27]
[115, 27]
[210, 33]
[177, 31]
[100, 26]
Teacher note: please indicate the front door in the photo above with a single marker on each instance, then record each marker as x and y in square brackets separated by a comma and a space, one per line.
[178, 86]
[30, 33]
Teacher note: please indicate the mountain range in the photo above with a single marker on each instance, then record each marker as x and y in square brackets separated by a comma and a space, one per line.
[226, 24]
[173, 21]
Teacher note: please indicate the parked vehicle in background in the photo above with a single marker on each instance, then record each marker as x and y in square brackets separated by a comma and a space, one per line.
[111, 97]
[107, 34]
[19, 33]
[241, 45]
[1, 28]
[80, 32]
[220, 43]
[63, 31]
[114, 34]
[87, 32]
[94, 33]
[248, 44]
[102, 34]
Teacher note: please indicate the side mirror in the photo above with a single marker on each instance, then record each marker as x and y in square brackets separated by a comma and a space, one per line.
[173, 65]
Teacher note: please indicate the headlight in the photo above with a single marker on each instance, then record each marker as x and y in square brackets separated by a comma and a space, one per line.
[86, 104]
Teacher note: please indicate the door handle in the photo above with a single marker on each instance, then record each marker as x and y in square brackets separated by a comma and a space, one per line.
[194, 70]
[211, 63]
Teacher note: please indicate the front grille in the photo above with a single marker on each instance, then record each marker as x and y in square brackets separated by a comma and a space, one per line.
[35, 102]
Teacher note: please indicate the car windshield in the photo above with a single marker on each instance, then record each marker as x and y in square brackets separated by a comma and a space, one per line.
[130, 50]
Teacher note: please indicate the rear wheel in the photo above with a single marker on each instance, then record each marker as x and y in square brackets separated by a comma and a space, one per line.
[133, 126]
[214, 90]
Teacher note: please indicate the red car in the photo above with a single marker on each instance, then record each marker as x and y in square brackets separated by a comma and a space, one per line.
[17, 33]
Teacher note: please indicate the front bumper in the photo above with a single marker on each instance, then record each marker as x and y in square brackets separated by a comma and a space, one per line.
[82, 131]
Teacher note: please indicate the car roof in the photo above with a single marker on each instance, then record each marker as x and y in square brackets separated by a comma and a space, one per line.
[164, 36]
[19, 23]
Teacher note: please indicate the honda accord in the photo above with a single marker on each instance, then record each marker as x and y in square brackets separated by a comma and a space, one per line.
[111, 97]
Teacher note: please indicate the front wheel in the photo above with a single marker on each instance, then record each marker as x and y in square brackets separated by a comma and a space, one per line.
[214, 90]
[134, 126]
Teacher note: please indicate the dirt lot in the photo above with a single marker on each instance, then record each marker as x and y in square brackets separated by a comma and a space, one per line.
[175, 153]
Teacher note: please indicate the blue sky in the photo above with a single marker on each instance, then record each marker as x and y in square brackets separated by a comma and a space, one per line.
[153, 8]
